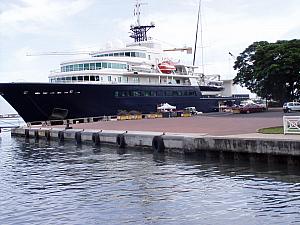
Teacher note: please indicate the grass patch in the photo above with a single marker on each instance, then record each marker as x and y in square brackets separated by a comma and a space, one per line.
[271, 130]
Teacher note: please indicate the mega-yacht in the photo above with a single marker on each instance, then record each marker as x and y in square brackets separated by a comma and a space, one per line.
[136, 77]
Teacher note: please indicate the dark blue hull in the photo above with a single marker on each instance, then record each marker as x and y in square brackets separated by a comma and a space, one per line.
[44, 101]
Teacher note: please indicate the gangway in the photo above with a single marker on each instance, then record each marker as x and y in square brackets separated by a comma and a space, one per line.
[10, 121]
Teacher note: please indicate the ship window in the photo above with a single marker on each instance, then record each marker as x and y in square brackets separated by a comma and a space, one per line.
[174, 93]
[80, 78]
[98, 66]
[116, 54]
[136, 79]
[86, 66]
[160, 93]
[192, 93]
[124, 93]
[71, 91]
[86, 78]
[116, 94]
[59, 92]
[143, 55]
[67, 68]
[110, 54]
[122, 53]
[68, 78]
[105, 55]
[92, 66]
[101, 78]
[45, 93]
[96, 78]
[92, 78]
[149, 57]
[71, 68]
[80, 67]
[74, 78]
[25, 93]
[153, 93]
[76, 67]
[136, 93]
[52, 93]
[147, 93]
[66, 92]
[104, 65]
[114, 66]
[108, 65]
[132, 54]
[77, 92]
[168, 93]
[137, 54]
[109, 78]
[127, 54]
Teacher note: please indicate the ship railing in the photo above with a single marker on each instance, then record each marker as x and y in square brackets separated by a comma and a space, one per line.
[11, 115]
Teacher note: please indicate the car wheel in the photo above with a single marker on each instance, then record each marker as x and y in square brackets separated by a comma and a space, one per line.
[289, 110]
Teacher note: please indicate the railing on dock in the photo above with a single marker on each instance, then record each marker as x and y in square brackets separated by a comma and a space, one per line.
[291, 124]
[71, 121]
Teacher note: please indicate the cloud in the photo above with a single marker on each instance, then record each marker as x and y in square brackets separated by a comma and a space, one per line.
[30, 15]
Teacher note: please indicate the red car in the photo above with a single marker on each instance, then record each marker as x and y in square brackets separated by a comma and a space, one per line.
[249, 108]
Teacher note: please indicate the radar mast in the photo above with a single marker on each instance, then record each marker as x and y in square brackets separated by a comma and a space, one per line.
[139, 32]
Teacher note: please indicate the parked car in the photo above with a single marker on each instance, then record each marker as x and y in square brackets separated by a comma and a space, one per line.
[192, 110]
[291, 106]
[248, 108]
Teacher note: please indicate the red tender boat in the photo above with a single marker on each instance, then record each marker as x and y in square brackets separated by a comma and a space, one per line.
[166, 67]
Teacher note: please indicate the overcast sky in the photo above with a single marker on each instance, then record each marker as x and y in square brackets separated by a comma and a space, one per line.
[36, 26]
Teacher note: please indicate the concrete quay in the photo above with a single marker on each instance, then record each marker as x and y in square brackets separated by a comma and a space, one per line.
[214, 133]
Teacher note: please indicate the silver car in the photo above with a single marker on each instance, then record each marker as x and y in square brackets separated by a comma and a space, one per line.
[291, 106]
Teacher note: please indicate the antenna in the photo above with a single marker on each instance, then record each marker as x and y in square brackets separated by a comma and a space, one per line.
[59, 53]
[139, 33]
[201, 38]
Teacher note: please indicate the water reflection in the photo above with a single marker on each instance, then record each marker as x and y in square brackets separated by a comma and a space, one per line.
[50, 183]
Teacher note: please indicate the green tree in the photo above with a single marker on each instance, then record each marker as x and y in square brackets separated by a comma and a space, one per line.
[271, 70]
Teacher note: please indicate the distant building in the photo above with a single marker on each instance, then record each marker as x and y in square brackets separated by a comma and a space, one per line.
[231, 89]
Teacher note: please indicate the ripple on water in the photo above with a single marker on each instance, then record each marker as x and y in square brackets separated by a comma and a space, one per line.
[63, 184]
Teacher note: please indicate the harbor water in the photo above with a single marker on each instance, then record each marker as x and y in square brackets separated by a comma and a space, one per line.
[51, 183]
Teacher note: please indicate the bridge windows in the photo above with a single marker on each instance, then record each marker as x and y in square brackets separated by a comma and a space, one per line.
[122, 54]
[93, 66]
[86, 66]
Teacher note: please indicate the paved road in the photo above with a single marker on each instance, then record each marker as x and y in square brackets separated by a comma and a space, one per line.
[211, 124]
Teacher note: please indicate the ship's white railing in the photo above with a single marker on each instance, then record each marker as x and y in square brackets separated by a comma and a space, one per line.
[291, 124]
